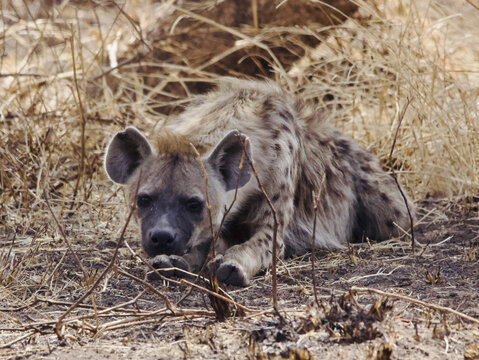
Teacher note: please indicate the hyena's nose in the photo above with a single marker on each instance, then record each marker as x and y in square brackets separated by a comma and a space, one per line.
[162, 239]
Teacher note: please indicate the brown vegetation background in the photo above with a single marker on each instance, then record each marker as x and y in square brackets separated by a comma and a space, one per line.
[72, 73]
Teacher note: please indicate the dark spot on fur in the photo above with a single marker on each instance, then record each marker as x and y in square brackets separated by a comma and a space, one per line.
[308, 137]
[268, 236]
[397, 213]
[285, 114]
[323, 142]
[364, 185]
[385, 198]
[390, 224]
[296, 201]
[242, 94]
[283, 186]
[275, 134]
[277, 147]
[342, 146]
[268, 105]
[275, 198]
[267, 213]
[366, 168]
[286, 128]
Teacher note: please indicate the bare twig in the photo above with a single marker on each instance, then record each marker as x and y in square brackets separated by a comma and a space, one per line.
[149, 287]
[81, 168]
[442, 309]
[254, 10]
[65, 239]
[208, 205]
[275, 233]
[186, 282]
[316, 200]
[105, 271]
[473, 3]
[411, 219]
[20, 338]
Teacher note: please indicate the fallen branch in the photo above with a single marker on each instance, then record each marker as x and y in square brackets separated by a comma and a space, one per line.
[24, 336]
[442, 309]
[316, 200]
[275, 234]
[411, 219]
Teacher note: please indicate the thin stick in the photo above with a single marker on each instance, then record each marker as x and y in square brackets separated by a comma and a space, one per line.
[473, 4]
[211, 254]
[411, 219]
[65, 239]
[313, 248]
[105, 271]
[208, 205]
[186, 282]
[81, 168]
[24, 336]
[149, 287]
[439, 308]
[254, 10]
[275, 232]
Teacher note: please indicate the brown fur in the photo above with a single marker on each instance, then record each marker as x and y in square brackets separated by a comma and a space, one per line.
[292, 148]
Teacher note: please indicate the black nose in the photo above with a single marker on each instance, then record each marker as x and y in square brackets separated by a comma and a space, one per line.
[162, 239]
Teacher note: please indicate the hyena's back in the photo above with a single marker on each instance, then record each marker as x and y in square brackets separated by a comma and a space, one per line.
[293, 149]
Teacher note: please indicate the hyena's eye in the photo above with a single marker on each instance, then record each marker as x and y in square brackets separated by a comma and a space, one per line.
[143, 201]
[194, 205]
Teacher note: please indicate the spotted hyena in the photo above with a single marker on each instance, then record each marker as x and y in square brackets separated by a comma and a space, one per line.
[295, 153]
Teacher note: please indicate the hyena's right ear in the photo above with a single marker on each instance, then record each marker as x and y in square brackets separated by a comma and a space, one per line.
[126, 151]
[226, 157]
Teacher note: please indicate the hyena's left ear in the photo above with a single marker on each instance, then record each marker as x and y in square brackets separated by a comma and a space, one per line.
[226, 157]
[126, 151]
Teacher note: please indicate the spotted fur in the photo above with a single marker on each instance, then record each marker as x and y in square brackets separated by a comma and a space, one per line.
[292, 149]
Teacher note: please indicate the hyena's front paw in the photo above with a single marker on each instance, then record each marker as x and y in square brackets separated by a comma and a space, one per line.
[163, 262]
[231, 272]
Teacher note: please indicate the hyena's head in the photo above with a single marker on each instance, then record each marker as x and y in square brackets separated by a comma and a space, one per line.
[170, 186]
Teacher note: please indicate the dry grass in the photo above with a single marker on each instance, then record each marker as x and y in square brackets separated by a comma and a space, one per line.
[74, 73]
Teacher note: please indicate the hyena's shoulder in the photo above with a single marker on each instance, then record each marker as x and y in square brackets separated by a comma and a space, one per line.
[253, 107]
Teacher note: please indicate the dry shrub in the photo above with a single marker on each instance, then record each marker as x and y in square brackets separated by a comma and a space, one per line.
[366, 69]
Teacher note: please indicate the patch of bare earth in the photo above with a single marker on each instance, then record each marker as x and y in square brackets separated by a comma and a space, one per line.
[346, 324]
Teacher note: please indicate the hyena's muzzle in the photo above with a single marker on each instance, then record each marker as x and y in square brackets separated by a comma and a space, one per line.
[167, 222]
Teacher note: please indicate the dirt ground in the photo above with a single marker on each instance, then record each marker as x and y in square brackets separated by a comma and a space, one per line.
[444, 271]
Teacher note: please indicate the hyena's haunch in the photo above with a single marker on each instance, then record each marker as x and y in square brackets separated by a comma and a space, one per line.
[295, 154]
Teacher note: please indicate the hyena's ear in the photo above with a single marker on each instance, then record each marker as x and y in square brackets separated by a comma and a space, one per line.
[126, 151]
[226, 157]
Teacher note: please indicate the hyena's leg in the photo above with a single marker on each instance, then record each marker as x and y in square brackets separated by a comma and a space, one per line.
[241, 262]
